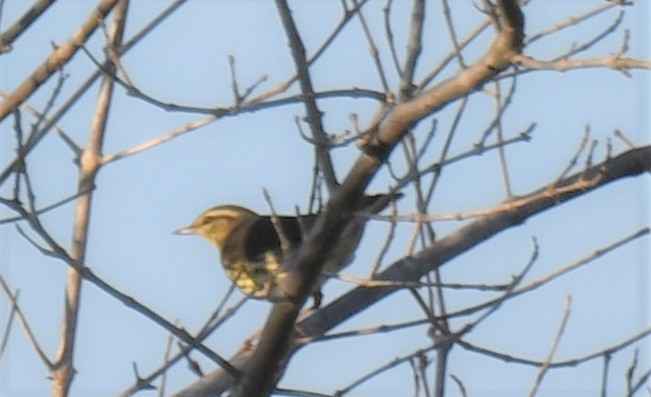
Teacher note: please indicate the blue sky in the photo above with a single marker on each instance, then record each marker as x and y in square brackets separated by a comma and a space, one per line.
[141, 199]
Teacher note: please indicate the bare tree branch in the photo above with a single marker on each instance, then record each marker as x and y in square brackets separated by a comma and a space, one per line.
[90, 163]
[60, 56]
[15, 308]
[630, 163]
[271, 354]
[83, 87]
[23, 23]
[552, 351]
[314, 115]
[371, 135]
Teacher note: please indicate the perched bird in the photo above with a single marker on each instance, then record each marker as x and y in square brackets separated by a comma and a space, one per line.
[253, 246]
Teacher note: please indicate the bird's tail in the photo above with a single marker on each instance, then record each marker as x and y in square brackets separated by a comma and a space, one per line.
[375, 203]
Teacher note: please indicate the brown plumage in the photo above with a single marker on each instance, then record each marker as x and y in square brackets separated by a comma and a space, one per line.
[252, 248]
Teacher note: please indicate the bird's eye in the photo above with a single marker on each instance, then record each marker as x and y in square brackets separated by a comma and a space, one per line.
[208, 219]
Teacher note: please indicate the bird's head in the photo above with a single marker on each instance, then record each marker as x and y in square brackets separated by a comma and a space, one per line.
[217, 223]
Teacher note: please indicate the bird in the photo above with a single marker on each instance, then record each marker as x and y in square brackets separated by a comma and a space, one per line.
[253, 246]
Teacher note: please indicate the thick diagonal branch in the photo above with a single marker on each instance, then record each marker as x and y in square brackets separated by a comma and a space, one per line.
[269, 359]
[628, 164]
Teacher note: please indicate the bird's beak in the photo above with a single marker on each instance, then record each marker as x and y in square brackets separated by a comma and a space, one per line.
[185, 231]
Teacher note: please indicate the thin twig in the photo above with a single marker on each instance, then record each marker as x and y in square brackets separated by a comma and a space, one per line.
[284, 242]
[389, 33]
[371, 283]
[508, 294]
[517, 202]
[576, 49]
[10, 319]
[387, 241]
[423, 363]
[314, 115]
[574, 160]
[237, 98]
[604, 374]
[453, 34]
[209, 326]
[552, 351]
[371, 374]
[414, 49]
[416, 377]
[443, 63]
[538, 283]
[569, 22]
[619, 134]
[375, 54]
[573, 362]
[182, 130]
[630, 373]
[459, 383]
[56, 128]
[45, 209]
[348, 15]
[87, 84]
[25, 324]
[166, 359]
[500, 141]
[443, 156]
[57, 59]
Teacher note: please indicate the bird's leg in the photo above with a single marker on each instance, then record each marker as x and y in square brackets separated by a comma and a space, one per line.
[317, 297]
